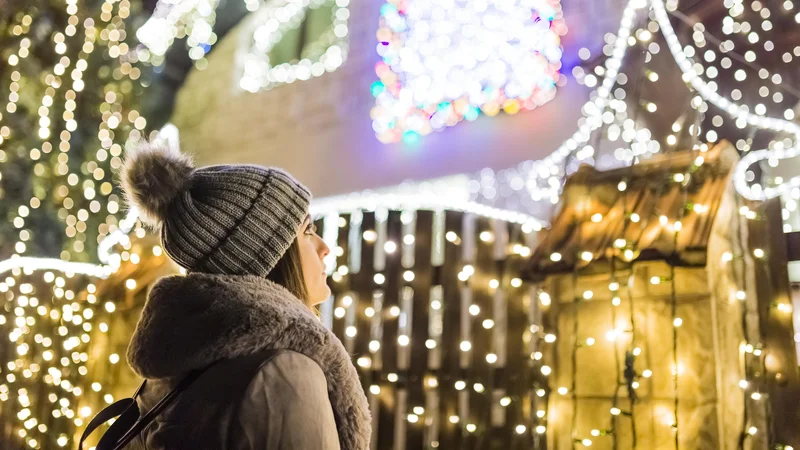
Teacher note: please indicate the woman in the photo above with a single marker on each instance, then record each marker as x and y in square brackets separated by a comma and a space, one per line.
[276, 378]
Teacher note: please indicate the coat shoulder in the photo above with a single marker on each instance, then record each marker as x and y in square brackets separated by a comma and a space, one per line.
[286, 405]
[290, 370]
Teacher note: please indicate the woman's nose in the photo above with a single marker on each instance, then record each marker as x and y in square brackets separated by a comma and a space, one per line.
[324, 250]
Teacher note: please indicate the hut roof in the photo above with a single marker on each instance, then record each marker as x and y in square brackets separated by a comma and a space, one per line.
[654, 196]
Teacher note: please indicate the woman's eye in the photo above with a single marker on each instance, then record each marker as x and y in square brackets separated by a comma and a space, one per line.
[312, 228]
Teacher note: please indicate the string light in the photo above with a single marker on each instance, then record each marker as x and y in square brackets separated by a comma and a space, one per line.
[544, 175]
[272, 21]
[451, 194]
[80, 199]
[431, 78]
[685, 64]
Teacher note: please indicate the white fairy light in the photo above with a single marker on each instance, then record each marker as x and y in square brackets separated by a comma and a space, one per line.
[194, 18]
[545, 175]
[272, 21]
[550, 168]
[30, 264]
[739, 112]
[451, 193]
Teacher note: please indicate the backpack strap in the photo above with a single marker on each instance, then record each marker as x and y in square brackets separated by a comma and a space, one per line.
[127, 412]
[130, 422]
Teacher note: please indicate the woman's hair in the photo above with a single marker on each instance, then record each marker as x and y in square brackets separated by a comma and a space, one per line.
[288, 272]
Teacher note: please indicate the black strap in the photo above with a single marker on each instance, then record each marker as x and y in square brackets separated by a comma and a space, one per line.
[130, 422]
[125, 409]
[145, 420]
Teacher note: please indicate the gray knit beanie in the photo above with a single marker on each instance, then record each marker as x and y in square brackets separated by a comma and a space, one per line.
[228, 219]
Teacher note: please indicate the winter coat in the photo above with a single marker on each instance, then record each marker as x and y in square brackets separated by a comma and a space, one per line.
[307, 396]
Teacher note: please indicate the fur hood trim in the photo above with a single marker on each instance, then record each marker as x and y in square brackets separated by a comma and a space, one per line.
[191, 321]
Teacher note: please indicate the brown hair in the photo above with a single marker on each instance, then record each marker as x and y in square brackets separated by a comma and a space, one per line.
[288, 272]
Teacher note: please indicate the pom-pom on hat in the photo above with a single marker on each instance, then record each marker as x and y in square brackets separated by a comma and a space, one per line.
[227, 219]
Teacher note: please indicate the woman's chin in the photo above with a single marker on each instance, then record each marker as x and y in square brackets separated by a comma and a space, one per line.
[324, 294]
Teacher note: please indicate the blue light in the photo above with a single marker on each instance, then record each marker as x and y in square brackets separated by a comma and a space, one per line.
[411, 137]
[472, 113]
[377, 88]
[387, 9]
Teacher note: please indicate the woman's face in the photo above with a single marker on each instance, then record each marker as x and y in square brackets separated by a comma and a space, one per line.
[312, 252]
